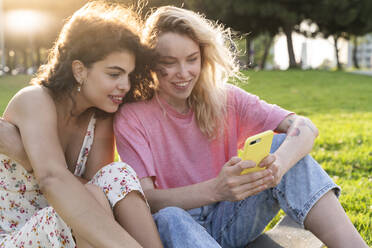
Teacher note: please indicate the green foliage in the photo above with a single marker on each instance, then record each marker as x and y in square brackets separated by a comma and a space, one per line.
[259, 45]
[257, 17]
[253, 17]
[342, 17]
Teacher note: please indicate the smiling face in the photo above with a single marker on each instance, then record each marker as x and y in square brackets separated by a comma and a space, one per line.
[178, 68]
[107, 81]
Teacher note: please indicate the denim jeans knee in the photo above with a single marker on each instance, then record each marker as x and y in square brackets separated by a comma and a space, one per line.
[234, 224]
[178, 229]
[302, 186]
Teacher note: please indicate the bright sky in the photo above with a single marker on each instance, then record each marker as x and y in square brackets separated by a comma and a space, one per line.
[313, 51]
[26, 21]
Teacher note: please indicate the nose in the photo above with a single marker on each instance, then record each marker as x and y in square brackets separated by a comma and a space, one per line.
[182, 70]
[124, 84]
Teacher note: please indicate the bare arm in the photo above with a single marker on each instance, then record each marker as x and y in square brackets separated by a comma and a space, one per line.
[33, 112]
[229, 185]
[301, 134]
[187, 197]
[102, 151]
[11, 144]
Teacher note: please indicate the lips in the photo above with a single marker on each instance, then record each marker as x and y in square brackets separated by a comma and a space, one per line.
[116, 99]
[181, 85]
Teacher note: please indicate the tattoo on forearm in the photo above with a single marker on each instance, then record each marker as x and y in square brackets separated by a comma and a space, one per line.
[305, 122]
[293, 132]
[295, 125]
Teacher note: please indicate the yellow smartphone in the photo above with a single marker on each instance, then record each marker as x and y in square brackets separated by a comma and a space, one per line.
[256, 148]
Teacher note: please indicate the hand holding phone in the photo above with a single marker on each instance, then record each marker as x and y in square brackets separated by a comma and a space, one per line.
[256, 148]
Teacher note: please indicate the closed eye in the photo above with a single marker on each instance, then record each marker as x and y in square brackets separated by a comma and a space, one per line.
[114, 75]
[192, 59]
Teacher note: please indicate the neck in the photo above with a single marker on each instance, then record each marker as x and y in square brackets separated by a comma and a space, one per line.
[180, 106]
[71, 108]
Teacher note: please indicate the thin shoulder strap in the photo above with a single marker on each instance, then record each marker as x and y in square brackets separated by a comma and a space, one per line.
[87, 144]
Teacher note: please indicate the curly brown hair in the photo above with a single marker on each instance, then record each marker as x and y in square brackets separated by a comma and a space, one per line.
[89, 35]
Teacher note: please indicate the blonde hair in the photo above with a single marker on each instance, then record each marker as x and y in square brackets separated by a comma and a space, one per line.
[208, 98]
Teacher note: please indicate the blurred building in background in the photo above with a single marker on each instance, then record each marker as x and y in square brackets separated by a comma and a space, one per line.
[363, 54]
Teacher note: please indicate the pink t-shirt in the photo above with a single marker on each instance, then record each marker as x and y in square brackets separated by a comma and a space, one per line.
[159, 142]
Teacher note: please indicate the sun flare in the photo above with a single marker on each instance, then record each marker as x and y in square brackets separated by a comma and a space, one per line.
[25, 21]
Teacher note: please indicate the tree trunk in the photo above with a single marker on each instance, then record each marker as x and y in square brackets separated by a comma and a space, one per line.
[339, 66]
[38, 56]
[291, 55]
[355, 50]
[268, 43]
[248, 44]
[25, 64]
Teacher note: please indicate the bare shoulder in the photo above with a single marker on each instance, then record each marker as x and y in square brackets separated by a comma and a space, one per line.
[32, 94]
[30, 101]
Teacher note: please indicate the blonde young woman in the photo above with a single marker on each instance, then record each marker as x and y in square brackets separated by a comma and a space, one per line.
[183, 144]
[55, 189]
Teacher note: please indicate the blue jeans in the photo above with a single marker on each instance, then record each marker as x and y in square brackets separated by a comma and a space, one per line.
[235, 224]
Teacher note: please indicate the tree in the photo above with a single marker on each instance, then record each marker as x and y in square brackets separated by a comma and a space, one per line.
[361, 26]
[342, 19]
[257, 17]
[246, 17]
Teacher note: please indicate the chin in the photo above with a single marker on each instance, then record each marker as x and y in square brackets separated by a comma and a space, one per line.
[185, 96]
[110, 110]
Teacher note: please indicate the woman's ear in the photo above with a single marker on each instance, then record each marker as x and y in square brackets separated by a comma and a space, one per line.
[79, 71]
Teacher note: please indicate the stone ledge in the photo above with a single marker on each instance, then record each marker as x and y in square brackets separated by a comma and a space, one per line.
[286, 234]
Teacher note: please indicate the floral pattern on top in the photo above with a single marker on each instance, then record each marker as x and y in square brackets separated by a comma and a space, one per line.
[87, 145]
[117, 180]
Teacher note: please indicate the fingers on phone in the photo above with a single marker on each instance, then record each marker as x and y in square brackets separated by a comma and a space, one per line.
[253, 176]
[252, 188]
[237, 168]
[246, 164]
[233, 161]
[268, 160]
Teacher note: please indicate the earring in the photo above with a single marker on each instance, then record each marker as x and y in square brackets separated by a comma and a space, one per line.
[80, 83]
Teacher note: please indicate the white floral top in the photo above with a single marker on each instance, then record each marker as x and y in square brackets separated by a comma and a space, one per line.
[20, 194]
[26, 219]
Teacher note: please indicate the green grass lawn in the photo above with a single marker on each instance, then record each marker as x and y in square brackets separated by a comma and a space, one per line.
[340, 104]
[9, 85]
